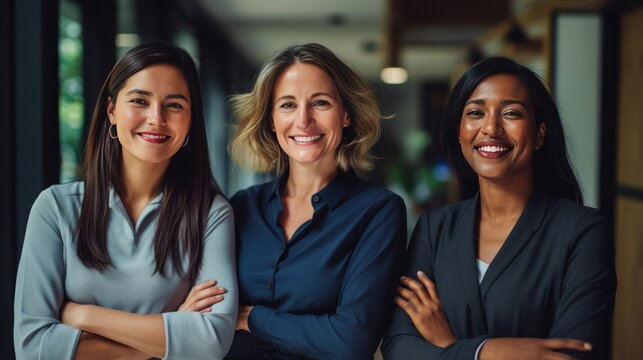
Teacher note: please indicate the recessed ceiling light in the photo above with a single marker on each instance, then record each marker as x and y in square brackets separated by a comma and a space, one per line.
[394, 75]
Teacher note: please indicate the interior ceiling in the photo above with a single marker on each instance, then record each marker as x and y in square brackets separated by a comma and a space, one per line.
[428, 38]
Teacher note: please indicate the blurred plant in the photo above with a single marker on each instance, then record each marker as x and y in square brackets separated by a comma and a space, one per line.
[420, 180]
[71, 102]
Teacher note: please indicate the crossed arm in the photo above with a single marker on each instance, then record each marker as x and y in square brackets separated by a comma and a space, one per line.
[110, 333]
[420, 301]
[420, 328]
[43, 316]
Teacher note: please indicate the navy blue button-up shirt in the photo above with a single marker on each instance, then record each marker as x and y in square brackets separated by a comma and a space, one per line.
[327, 293]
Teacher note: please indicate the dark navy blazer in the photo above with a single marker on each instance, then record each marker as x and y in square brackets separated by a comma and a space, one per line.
[553, 277]
[327, 293]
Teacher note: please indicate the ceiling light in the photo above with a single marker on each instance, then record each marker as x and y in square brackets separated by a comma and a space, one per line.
[394, 75]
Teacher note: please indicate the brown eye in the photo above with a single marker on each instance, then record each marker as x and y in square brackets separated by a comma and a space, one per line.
[138, 101]
[512, 114]
[474, 113]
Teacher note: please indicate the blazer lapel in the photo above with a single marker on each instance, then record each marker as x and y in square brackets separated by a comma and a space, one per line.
[465, 249]
[523, 231]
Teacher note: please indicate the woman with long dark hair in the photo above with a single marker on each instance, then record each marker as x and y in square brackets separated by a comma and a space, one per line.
[522, 269]
[109, 260]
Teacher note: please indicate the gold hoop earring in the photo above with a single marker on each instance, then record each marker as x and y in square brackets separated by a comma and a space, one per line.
[109, 132]
[187, 139]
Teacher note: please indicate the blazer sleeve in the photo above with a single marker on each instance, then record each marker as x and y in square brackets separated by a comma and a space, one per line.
[585, 309]
[40, 291]
[402, 341]
[354, 330]
[193, 335]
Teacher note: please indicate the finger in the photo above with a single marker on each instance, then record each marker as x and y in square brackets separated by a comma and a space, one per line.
[417, 288]
[430, 286]
[206, 310]
[568, 344]
[205, 293]
[553, 355]
[212, 291]
[205, 303]
[408, 308]
[204, 285]
[407, 294]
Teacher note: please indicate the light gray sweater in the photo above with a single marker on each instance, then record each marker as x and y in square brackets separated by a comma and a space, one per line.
[50, 272]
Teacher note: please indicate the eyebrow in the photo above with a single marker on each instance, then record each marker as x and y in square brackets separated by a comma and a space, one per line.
[503, 102]
[149, 93]
[321, 93]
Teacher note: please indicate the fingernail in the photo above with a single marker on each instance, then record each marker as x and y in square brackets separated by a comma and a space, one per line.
[587, 346]
[218, 297]
[420, 273]
[403, 278]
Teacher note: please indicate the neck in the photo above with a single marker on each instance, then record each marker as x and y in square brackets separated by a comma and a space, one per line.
[304, 181]
[504, 200]
[140, 182]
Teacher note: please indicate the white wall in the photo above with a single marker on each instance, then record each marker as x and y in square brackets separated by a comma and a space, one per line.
[577, 88]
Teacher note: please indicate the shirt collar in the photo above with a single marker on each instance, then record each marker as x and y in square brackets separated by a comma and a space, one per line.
[115, 199]
[332, 194]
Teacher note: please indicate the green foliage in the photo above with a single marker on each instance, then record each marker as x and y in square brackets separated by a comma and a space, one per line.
[71, 102]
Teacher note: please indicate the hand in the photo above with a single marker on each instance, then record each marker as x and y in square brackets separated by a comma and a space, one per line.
[242, 318]
[202, 297]
[421, 303]
[73, 314]
[530, 348]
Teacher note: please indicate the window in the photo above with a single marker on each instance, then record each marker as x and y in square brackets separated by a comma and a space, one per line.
[71, 102]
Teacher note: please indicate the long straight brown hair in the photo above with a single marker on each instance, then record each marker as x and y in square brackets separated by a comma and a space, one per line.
[187, 185]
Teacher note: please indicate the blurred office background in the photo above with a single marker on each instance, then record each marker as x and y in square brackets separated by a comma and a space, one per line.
[55, 54]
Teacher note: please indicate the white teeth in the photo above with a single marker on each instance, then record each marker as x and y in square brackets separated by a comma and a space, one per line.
[306, 138]
[493, 148]
[155, 137]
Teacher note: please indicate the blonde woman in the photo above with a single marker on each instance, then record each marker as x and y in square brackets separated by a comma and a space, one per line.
[319, 250]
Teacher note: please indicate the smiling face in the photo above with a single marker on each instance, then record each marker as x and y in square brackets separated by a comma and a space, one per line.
[498, 134]
[308, 116]
[152, 115]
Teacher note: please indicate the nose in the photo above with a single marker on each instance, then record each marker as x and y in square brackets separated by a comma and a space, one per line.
[156, 116]
[304, 118]
[492, 125]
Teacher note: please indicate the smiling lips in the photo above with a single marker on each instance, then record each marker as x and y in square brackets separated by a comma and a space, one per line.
[154, 138]
[306, 139]
[492, 151]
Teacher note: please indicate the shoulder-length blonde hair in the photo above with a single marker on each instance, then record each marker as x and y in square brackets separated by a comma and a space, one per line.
[254, 144]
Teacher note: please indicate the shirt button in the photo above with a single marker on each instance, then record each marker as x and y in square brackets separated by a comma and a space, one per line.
[268, 285]
[315, 198]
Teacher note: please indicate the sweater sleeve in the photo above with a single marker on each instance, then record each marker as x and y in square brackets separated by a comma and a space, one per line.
[402, 340]
[193, 335]
[38, 333]
[367, 289]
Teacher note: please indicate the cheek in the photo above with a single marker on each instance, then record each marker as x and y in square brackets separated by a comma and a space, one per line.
[465, 129]
[128, 112]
